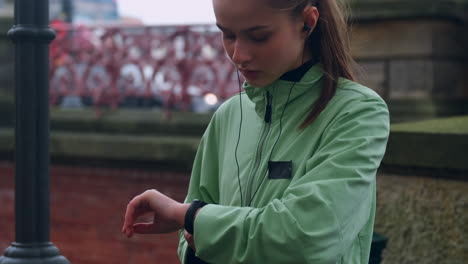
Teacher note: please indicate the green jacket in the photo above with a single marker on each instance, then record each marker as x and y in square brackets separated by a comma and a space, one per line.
[320, 212]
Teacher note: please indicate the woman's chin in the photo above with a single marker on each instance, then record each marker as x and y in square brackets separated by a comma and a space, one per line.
[258, 83]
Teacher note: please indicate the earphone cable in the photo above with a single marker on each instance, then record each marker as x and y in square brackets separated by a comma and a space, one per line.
[238, 138]
[277, 139]
[279, 135]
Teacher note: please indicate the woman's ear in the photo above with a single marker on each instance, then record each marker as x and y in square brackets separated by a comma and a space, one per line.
[311, 16]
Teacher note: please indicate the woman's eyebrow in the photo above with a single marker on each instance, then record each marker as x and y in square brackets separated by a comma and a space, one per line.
[255, 28]
[220, 27]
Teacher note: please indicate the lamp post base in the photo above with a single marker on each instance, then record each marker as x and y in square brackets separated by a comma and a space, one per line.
[33, 253]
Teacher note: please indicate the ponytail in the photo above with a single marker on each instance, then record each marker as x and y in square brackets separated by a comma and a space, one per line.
[329, 44]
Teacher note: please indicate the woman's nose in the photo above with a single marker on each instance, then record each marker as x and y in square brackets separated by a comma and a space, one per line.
[240, 54]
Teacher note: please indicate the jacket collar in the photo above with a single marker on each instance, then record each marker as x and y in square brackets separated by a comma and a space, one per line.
[297, 74]
[279, 91]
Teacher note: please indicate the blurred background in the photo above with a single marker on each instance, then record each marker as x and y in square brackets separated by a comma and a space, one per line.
[133, 84]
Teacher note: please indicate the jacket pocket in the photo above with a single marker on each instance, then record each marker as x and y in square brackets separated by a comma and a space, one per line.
[279, 169]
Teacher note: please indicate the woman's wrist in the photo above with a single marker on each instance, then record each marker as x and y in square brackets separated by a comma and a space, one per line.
[179, 214]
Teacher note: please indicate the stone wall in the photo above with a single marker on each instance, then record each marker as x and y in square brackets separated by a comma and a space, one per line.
[413, 53]
[408, 59]
[424, 218]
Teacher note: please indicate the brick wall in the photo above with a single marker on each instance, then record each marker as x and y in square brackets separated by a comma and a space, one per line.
[87, 209]
[421, 214]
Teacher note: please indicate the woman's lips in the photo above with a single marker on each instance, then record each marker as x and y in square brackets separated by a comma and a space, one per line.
[248, 74]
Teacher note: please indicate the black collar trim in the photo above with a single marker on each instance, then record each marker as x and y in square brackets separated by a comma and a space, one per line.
[297, 74]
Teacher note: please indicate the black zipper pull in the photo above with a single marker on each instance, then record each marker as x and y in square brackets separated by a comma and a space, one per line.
[268, 109]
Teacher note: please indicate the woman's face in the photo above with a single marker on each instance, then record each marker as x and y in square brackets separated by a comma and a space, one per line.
[263, 43]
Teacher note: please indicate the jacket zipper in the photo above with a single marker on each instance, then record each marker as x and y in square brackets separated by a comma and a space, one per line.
[258, 156]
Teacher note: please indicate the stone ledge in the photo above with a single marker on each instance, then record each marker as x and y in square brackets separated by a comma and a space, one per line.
[406, 110]
[127, 121]
[92, 147]
[141, 121]
[124, 121]
[448, 126]
[436, 144]
[439, 144]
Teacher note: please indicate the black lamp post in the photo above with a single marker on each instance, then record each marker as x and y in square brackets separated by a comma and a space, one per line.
[31, 34]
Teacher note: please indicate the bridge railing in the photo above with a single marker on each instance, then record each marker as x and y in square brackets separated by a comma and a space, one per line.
[171, 67]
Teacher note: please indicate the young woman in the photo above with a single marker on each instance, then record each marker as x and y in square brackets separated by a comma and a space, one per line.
[285, 172]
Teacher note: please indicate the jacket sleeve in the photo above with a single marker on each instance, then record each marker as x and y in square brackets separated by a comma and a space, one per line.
[321, 212]
[202, 188]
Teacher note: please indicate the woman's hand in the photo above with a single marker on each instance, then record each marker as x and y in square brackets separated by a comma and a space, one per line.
[189, 239]
[168, 214]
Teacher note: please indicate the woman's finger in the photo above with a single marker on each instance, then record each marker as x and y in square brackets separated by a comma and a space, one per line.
[187, 235]
[135, 208]
[128, 218]
[128, 231]
[189, 239]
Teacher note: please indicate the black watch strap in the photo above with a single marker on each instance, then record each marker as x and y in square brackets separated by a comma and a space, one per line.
[190, 215]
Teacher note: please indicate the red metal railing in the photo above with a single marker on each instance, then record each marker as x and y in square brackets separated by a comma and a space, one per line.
[117, 66]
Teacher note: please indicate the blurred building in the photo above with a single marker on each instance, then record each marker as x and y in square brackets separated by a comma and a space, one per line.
[84, 11]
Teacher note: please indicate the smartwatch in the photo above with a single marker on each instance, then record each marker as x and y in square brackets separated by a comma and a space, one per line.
[190, 215]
